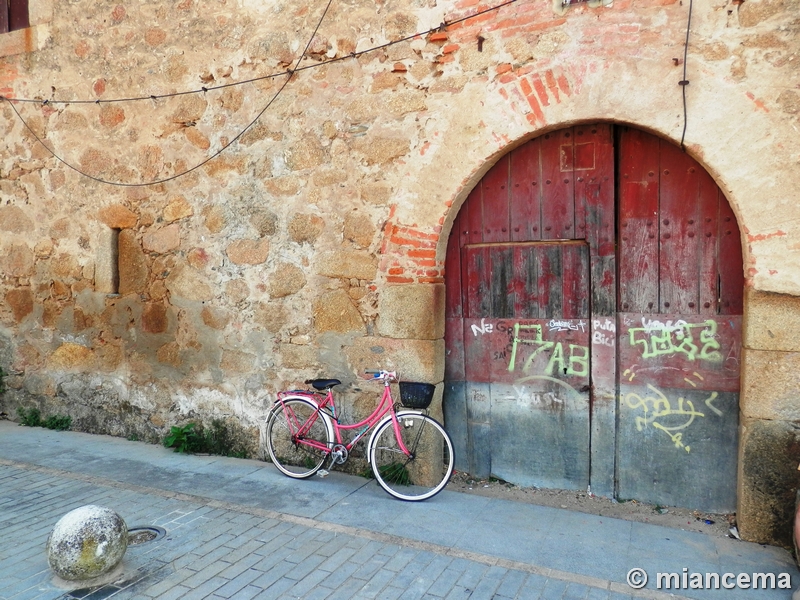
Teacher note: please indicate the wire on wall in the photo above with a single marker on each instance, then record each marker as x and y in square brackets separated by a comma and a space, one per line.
[289, 73]
[207, 159]
[684, 82]
[296, 68]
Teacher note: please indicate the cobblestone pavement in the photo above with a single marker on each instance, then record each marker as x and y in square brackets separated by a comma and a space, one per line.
[236, 529]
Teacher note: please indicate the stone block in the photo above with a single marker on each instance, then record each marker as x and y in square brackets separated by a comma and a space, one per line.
[111, 115]
[263, 220]
[381, 150]
[189, 284]
[26, 356]
[237, 290]
[378, 194]
[169, 354]
[133, 271]
[768, 479]
[335, 311]
[216, 318]
[190, 108]
[43, 248]
[177, 208]
[294, 356]
[162, 240]
[21, 302]
[197, 138]
[248, 252]
[269, 315]
[411, 311]
[359, 229]
[287, 279]
[155, 317]
[347, 264]
[72, 356]
[14, 220]
[215, 219]
[305, 228]
[65, 266]
[283, 186]
[18, 261]
[770, 385]
[414, 360]
[237, 361]
[772, 321]
[108, 357]
[306, 154]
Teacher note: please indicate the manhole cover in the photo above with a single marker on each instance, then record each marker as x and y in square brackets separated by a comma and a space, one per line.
[142, 535]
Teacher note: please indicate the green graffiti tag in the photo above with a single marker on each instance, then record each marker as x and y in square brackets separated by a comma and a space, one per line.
[575, 363]
[659, 339]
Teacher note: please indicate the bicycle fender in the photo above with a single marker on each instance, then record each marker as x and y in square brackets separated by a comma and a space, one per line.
[306, 397]
[297, 394]
[380, 423]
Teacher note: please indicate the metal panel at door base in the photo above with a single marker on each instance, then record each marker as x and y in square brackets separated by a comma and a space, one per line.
[679, 409]
[672, 436]
[527, 400]
[540, 434]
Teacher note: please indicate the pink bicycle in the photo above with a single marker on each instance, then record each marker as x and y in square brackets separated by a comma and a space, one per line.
[410, 453]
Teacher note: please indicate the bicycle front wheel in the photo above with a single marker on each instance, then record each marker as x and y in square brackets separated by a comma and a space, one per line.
[424, 472]
[296, 449]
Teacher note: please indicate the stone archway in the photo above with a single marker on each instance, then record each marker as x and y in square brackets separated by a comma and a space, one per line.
[593, 321]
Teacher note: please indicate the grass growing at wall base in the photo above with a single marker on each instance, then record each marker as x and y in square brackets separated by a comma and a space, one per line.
[219, 438]
[32, 417]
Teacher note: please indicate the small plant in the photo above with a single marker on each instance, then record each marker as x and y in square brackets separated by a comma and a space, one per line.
[31, 417]
[182, 439]
[2, 381]
[58, 422]
[215, 439]
[395, 472]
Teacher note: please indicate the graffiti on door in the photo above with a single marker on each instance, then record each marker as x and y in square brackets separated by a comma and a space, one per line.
[694, 341]
[572, 362]
[659, 412]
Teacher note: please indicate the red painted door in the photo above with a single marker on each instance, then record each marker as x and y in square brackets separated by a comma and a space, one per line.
[680, 294]
[594, 285]
[521, 258]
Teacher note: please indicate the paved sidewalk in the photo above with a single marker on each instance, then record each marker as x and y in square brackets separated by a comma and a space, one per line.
[239, 529]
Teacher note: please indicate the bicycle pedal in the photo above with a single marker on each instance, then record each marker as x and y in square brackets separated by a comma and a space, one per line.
[322, 473]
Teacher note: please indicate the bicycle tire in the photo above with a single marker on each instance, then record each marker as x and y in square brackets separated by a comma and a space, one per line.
[423, 474]
[291, 457]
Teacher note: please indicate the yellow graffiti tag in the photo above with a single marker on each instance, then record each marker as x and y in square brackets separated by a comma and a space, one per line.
[657, 406]
[678, 338]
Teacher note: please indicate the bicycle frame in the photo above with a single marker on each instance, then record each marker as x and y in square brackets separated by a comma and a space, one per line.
[386, 405]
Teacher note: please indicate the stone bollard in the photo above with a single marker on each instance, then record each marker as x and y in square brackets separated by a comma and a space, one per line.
[87, 542]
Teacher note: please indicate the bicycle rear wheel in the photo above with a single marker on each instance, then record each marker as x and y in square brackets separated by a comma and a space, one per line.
[422, 474]
[298, 456]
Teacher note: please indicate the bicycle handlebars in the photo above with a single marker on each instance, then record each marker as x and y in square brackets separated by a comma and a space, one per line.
[382, 375]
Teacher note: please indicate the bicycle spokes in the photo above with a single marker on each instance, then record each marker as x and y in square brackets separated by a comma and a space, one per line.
[425, 466]
[298, 438]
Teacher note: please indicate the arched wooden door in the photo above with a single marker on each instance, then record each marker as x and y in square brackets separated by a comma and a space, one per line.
[594, 282]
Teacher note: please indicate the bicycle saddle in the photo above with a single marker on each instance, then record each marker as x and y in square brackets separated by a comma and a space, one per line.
[322, 384]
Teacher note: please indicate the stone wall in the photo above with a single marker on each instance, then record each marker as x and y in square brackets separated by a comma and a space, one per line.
[184, 257]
